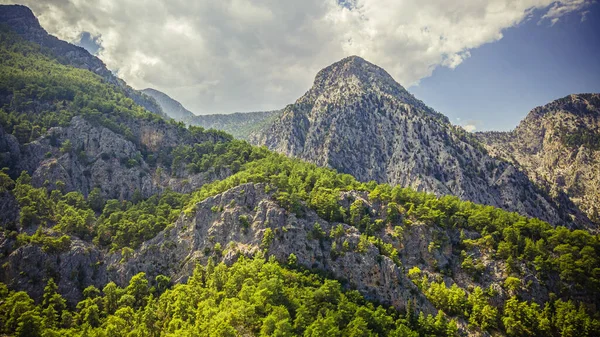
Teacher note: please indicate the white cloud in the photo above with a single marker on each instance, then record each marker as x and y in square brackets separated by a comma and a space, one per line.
[560, 8]
[469, 127]
[241, 55]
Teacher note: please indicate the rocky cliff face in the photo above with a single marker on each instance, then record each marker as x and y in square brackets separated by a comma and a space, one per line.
[558, 146]
[21, 20]
[98, 157]
[238, 222]
[360, 121]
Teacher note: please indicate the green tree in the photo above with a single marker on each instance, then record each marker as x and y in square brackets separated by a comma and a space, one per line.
[29, 324]
[138, 288]
[95, 200]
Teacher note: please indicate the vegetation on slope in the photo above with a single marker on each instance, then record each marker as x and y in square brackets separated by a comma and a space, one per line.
[251, 297]
[39, 93]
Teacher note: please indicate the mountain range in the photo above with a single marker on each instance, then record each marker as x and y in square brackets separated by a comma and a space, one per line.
[358, 120]
[357, 210]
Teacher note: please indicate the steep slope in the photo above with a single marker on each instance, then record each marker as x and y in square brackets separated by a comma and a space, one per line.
[399, 247]
[171, 107]
[360, 121]
[20, 19]
[558, 146]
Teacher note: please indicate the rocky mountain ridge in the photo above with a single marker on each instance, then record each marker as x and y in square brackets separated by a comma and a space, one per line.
[238, 124]
[241, 125]
[98, 157]
[358, 120]
[558, 146]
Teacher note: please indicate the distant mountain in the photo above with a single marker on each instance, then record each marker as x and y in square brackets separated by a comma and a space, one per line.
[171, 107]
[240, 124]
[558, 146]
[21, 20]
[357, 119]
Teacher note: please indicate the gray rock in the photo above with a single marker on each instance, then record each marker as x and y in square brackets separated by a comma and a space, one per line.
[569, 172]
[358, 120]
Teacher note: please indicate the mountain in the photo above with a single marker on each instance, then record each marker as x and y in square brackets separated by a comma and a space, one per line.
[357, 119]
[240, 124]
[115, 220]
[558, 146]
[171, 107]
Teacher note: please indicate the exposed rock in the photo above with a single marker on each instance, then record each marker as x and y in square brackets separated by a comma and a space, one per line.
[9, 149]
[358, 120]
[29, 267]
[101, 158]
[217, 220]
[176, 251]
[9, 210]
[237, 220]
[558, 146]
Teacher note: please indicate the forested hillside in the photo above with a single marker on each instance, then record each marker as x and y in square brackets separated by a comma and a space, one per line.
[116, 222]
[241, 125]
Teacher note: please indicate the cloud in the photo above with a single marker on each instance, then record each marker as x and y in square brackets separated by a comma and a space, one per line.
[243, 55]
[469, 127]
[560, 8]
[584, 15]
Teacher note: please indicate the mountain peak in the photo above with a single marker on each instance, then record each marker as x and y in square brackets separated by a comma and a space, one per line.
[357, 68]
[354, 60]
[356, 77]
[575, 104]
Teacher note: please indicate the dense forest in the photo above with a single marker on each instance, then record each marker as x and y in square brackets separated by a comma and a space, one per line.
[262, 296]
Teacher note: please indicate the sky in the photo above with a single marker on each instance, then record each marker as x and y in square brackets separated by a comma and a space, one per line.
[530, 66]
[483, 63]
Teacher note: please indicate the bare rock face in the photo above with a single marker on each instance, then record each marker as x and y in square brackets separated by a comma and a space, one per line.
[98, 157]
[558, 146]
[9, 148]
[29, 267]
[358, 120]
[234, 223]
[225, 226]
